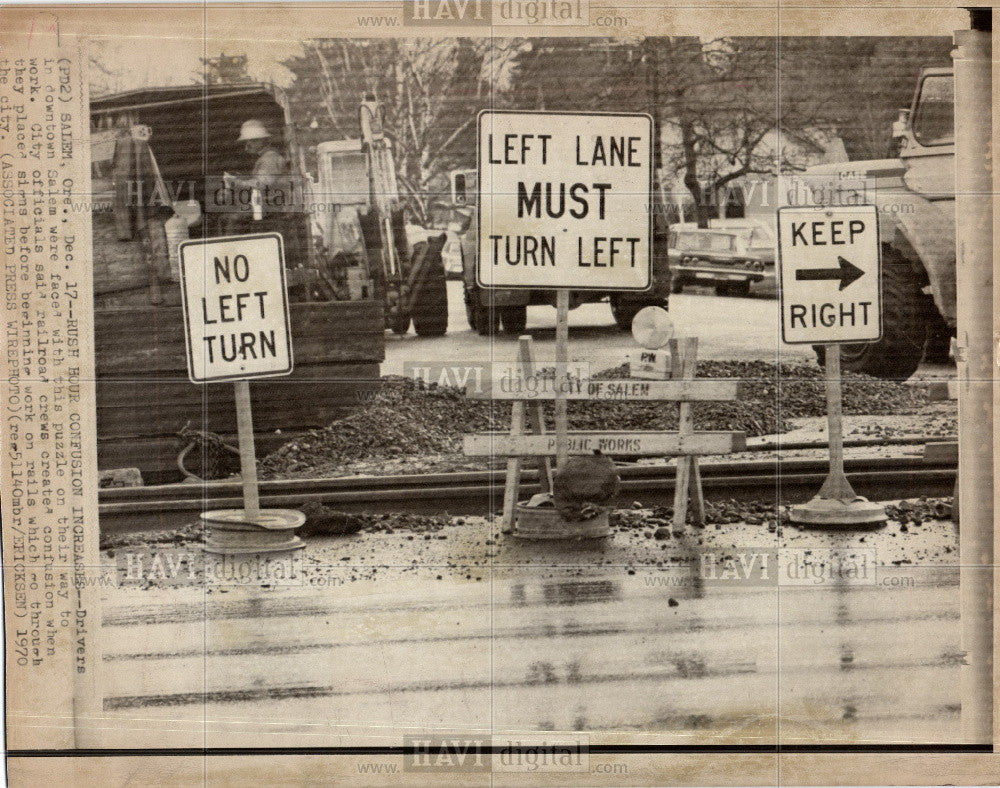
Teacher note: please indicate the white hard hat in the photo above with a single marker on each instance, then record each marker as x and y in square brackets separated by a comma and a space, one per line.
[253, 129]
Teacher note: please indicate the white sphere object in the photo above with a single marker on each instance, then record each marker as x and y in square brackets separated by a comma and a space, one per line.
[652, 327]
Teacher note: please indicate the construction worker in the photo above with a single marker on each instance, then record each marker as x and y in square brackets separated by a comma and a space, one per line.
[269, 168]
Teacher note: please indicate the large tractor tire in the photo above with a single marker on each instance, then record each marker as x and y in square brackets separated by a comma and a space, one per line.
[399, 323]
[897, 355]
[937, 347]
[430, 307]
[514, 319]
[482, 319]
[624, 310]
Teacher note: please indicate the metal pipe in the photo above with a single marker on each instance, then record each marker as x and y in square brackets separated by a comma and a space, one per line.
[974, 284]
[248, 457]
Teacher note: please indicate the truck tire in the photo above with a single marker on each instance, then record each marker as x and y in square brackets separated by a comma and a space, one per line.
[399, 323]
[430, 308]
[624, 311]
[735, 289]
[514, 319]
[937, 348]
[482, 319]
[897, 355]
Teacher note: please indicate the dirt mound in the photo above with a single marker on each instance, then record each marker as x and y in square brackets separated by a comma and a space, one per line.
[411, 419]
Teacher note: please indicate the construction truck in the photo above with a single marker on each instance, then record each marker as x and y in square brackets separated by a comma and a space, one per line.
[915, 196]
[361, 220]
[155, 183]
[489, 309]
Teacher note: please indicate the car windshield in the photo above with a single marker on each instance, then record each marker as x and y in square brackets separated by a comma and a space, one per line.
[705, 242]
[720, 243]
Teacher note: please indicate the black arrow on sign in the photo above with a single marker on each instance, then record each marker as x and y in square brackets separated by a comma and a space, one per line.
[847, 273]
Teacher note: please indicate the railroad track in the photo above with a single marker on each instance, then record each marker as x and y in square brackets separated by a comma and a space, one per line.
[137, 509]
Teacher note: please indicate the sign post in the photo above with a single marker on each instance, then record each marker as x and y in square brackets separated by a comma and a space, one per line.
[248, 455]
[562, 359]
[564, 204]
[831, 293]
[236, 327]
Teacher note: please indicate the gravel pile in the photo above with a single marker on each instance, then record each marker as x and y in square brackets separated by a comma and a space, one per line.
[324, 521]
[188, 537]
[320, 521]
[655, 522]
[411, 419]
[406, 419]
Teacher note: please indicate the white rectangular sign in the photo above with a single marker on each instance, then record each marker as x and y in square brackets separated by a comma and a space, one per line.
[236, 320]
[564, 200]
[831, 276]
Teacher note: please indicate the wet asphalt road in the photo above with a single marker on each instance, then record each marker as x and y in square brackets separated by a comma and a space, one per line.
[465, 630]
[745, 329]
[728, 329]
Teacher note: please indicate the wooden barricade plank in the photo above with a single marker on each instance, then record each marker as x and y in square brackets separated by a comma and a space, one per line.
[704, 390]
[629, 444]
[686, 444]
[535, 412]
[686, 358]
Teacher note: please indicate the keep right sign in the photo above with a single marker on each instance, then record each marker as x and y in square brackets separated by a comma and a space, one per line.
[830, 274]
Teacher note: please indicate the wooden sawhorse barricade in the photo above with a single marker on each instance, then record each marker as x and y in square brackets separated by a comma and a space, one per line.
[686, 443]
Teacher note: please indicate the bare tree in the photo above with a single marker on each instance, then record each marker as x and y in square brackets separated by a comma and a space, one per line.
[103, 77]
[713, 101]
[223, 70]
[430, 91]
[720, 116]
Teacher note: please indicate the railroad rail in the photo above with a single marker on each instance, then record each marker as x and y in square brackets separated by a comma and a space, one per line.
[137, 509]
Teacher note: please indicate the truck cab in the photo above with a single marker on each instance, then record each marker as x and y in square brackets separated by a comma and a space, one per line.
[915, 196]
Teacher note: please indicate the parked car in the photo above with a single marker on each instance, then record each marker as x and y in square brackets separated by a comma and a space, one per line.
[756, 234]
[716, 257]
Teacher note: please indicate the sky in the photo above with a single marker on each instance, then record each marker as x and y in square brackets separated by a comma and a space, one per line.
[158, 62]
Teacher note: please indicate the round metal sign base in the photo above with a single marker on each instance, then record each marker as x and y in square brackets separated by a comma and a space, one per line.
[232, 532]
[833, 511]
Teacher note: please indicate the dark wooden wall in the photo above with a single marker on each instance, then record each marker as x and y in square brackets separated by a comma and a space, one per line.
[144, 397]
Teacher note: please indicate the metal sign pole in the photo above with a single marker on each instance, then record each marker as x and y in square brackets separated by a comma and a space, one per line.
[562, 359]
[250, 530]
[836, 484]
[241, 266]
[836, 503]
[248, 457]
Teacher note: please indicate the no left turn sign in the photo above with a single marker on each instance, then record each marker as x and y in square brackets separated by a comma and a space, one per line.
[236, 320]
